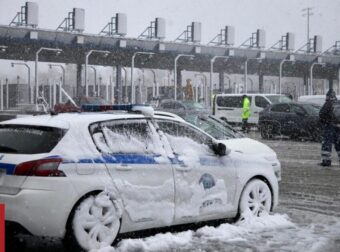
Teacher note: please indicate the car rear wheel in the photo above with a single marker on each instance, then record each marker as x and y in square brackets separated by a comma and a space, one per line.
[95, 223]
[256, 198]
[266, 131]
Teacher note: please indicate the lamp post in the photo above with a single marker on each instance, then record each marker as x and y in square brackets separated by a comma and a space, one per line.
[133, 95]
[311, 75]
[212, 61]
[338, 78]
[95, 79]
[261, 57]
[205, 86]
[126, 89]
[175, 70]
[290, 59]
[57, 50]
[28, 79]
[106, 53]
[63, 83]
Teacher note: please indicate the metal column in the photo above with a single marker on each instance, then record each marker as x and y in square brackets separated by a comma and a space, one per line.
[261, 81]
[179, 84]
[79, 89]
[119, 86]
[221, 81]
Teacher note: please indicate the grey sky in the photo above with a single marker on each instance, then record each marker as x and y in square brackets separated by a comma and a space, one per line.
[275, 16]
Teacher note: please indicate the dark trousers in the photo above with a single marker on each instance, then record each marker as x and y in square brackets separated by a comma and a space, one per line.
[245, 126]
[330, 136]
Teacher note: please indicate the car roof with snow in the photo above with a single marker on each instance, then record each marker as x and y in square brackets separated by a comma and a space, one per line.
[65, 120]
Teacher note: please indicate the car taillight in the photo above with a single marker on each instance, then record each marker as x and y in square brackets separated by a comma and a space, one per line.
[47, 167]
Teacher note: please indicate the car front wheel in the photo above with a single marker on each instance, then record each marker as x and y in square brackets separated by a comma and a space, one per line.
[95, 223]
[256, 198]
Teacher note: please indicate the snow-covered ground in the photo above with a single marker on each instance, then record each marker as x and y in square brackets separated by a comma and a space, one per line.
[288, 230]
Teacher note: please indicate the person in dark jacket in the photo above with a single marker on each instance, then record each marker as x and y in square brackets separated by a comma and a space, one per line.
[330, 132]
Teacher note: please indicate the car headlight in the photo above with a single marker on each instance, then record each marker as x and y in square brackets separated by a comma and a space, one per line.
[275, 164]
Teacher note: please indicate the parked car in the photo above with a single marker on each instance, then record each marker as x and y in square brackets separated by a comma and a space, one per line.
[74, 104]
[228, 107]
[315, 99]
[292, 119]
[89, 176]
[223, 132]
[181, 107]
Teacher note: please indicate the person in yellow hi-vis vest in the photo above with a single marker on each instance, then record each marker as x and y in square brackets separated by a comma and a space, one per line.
[245, 113]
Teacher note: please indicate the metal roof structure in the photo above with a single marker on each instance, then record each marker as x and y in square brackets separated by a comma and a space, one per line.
[23, 43]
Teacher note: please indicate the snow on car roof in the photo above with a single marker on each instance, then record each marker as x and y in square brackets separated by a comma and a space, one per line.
[64, 120]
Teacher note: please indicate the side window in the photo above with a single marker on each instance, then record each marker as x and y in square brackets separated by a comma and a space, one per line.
[123, 136]
[282, 108]
[181, 130]
[261, 102]
[166, 105]
[178, 106]
[187, 142]
[229, 101]
[296, 109]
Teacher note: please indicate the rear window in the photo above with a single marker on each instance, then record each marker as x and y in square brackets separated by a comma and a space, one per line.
[24, 139]
[278, 98]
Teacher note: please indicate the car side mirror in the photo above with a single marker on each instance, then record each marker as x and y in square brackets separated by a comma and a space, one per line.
[220, 149]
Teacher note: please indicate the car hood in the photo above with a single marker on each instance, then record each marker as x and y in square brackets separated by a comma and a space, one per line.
[249, 146]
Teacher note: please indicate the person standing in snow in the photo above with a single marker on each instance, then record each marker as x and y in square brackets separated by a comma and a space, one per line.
[245, 113]
[330, 132]
[188, 92]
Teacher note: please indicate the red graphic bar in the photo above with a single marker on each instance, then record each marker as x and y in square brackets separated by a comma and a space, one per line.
[2, 228]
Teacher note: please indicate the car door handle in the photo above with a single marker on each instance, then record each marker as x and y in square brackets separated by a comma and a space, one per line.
[124, 167]
[183, 168]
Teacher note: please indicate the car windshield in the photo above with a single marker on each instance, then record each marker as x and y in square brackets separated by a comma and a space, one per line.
[278, 98]
[24, 139]
[213, 126]
[193, 105]
[311, 109]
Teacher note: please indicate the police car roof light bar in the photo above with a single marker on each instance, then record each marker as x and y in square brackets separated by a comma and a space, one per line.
[147, 110]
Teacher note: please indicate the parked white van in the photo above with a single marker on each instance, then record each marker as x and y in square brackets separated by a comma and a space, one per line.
[228, 107]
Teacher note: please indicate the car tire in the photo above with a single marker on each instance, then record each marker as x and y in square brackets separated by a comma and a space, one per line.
[256, 199]
[94, 223]
[266, 131]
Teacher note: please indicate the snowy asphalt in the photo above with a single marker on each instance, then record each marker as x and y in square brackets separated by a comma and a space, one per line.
[307, 219]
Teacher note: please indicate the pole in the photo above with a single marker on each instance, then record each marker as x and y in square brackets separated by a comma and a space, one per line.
[7, 94]
[36, 68]
[2, 96]
[85, 72]
[339, 79]
[311, 75]
[86, 64]
[133, 95]
[175, 71]
[246, 76]
[132, 83]
[175, 77]
[211, 80]
[280, 75]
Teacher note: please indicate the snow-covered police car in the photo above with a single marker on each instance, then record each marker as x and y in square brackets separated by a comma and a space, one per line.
[89, 176]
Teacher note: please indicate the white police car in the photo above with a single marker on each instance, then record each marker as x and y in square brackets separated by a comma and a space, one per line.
[89, 176]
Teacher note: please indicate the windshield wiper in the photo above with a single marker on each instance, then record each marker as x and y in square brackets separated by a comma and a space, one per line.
[7, 149]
